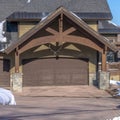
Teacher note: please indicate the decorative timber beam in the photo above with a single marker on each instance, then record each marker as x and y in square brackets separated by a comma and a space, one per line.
[68, 31]
[52, 31]
[16, 60]
[61, 23]
[66, 38]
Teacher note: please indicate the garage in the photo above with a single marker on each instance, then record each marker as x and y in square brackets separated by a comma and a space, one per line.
[42, 72]
[4, 73]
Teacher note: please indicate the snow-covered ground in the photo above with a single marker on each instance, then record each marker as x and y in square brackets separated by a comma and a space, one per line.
[6, 97]
[116, 118]
[117, 83]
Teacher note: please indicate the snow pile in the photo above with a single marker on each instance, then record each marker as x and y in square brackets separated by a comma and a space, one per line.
[2, 37]
[117, 89]
[6, 97]
[116, 118]
[114, 82]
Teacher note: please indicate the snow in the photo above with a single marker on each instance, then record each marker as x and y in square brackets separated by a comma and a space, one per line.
[116, 118]
[28, 1]
[6, 97]
[113, 23]
[114, 82]
[44, 18]
[2, 37]
[76, 15]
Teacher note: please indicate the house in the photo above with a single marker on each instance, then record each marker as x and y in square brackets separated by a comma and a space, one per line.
[54, 43]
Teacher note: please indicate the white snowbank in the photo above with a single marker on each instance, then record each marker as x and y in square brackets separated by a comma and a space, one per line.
[2, 37]
[116, 118]
[6, 97]
[114, 82]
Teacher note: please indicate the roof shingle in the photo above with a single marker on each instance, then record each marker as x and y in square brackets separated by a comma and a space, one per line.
[89, 7]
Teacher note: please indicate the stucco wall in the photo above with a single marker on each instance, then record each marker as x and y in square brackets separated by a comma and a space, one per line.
[24, 27]
[93, 25]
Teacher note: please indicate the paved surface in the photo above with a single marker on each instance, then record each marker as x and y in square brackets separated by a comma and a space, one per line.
[61, 108]
[67, 91]
[72, 107]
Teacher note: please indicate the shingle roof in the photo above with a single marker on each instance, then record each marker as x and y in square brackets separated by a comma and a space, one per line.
[89, 7]
[108, 27]
[72, 5]
[7, 7]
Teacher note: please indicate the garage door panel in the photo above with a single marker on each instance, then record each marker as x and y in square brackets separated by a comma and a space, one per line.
[4, 73]
[55, 72]
[62, 79]
[46, 79]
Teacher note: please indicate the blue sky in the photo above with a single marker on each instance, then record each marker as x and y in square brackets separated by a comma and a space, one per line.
[115, 9]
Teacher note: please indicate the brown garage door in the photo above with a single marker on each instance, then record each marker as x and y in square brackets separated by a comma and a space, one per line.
[4, 73]
[39, 72]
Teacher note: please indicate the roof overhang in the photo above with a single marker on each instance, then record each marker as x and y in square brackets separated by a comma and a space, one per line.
[51, 17]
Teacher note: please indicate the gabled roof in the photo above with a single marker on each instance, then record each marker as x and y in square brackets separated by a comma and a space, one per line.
[7, 7]
[51, 17]
[87, 9]
[82, 6]
[108, 27]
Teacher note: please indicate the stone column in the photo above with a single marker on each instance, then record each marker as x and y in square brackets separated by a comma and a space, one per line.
[16, 79]
[104, 80]
[92, 79]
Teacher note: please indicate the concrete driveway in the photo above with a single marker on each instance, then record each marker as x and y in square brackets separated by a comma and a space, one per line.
[61, 108]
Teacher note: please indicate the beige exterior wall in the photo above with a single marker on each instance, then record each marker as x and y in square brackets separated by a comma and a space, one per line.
[25, 27]
[115, 77]
[93, 25]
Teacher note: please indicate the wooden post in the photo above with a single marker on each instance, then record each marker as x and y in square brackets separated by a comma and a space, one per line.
[16, 61]
[104, 66]
[61, 24]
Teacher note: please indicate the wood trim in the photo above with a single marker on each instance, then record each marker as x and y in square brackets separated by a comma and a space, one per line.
[37, 42]
[68, 31]
[57, 38]
[52, 31]
[83, 41]
[61, 23]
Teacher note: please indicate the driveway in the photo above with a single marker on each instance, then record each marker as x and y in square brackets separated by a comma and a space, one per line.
[66, 104]
[61, 108]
